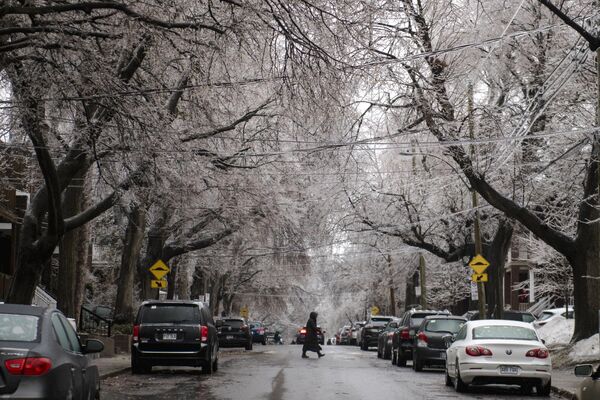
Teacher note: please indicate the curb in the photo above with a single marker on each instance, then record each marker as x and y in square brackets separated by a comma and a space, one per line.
[115, 373]
[562, 392]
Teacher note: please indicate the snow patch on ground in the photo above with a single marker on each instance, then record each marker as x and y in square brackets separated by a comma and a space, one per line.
[586, 350]
[557, 331]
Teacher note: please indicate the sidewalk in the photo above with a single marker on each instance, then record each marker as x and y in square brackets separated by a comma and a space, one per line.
[111, 366]
[564, 382]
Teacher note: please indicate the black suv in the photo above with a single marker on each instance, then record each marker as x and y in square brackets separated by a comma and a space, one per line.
[369, 334]
[234, 332]
[174, 333]
[402, 340]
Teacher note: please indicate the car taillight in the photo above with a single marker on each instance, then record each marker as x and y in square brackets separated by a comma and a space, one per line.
[537, 353]
[404, 334]
[476, 351]
[390, 334]
[31, 366]
[303, 331]
[136, 333]
[204, 333]
[422, 339]
[261, 331]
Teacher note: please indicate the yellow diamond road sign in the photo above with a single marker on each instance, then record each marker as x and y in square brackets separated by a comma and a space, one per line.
[244, 312]
[159, 269]
[158, 284]
[374, 310]
[479, 277]
[479, 264]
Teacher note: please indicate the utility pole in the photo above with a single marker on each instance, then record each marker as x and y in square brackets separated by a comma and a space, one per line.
[422, 281]
[392, 294]
[475, 201]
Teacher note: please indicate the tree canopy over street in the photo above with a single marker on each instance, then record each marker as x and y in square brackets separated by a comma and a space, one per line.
[291, 155]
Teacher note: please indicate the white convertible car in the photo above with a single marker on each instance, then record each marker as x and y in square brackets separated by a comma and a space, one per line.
[498, 352]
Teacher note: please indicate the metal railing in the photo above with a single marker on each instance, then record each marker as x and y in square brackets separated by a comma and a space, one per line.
[91, 322]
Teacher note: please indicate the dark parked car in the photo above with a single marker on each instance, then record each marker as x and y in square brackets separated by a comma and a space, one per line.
[259, 332]
[384, 340]
[42, 358]
[431, 337]
[174, 333]
[511, 315]
[234, 332]
[402, 341]
[301, 335]
[369, 334]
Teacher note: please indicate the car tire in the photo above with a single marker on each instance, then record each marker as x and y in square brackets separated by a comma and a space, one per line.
[401, 359]
[379, 352]
[544, 390]
[264, 342]
[448, 379]
[417, 364]
[139, 367]
[459, 385]
[364, 347]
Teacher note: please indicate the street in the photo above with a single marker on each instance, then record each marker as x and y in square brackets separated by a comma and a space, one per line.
[278, 372]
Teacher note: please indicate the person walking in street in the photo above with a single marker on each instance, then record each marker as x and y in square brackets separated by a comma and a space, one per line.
[311, 343]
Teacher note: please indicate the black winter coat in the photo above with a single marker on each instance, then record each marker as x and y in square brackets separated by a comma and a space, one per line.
[312, 339]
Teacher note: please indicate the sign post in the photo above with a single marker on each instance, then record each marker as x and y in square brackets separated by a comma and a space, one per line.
[479, 264]
[159, 269]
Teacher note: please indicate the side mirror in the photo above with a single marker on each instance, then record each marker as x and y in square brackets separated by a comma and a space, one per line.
[584, 370]
[543, 341]
[92, 346]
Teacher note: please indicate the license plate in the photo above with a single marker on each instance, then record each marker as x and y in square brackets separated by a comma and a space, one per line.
[509, 370]
[443, 355]
[229, 337]
[169, 336]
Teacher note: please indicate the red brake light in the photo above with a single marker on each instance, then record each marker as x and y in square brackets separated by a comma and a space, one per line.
[303, 331]
[537, 353]
[404, 334]
[136, 333]
[476, 351]
[204, 333]
[422, 337]
[31, 366]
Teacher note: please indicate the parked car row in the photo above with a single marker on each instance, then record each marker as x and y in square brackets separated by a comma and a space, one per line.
[472, 352]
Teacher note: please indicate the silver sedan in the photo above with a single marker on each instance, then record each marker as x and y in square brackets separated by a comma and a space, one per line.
[498, 352]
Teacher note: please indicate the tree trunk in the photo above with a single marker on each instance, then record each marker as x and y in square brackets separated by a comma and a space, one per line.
[172, 277]
[132, 245]
[182, 284]
[496, 255]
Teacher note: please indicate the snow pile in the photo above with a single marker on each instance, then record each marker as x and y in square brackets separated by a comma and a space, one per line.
[586, 350]
[558, 330]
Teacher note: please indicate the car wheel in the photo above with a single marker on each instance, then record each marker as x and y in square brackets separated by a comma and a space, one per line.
[264, 342]
[526, 389]
[139, 367]
[448, 379]
[364, 347]
[544, 390]
[417, 364]
[401, 360]
[459, 385]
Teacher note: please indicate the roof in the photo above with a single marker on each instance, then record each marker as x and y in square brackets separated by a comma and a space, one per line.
[190, 302]
[559, 310]
[498, 322]
[22, 309]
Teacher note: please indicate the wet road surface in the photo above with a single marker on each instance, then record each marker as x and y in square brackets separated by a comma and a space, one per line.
[278, 372]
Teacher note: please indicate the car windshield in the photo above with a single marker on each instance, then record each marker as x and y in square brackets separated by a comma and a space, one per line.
[546, 315]
[234, 323]
[444, 325]
[170, 314]
[504, 332]
[380, 319]
[255, 325]
[523, 317]
[18, 328]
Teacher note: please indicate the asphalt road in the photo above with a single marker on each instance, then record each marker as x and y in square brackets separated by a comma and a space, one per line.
[278, 372]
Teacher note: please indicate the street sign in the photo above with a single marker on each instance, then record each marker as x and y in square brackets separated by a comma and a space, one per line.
[159, 269]
[244, 312]
[158, 283]
[479, 264]
[374, 310]
[479, 277]
[474, 293]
